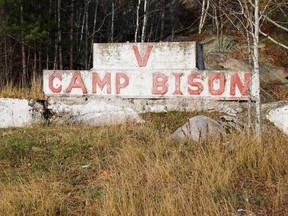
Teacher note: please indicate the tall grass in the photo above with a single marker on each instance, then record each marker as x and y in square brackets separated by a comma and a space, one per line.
[35, 91]
[138, 170]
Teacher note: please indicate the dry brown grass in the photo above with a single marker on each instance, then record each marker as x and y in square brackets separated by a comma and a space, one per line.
[35, 91]
[139, 170]
[34, 196]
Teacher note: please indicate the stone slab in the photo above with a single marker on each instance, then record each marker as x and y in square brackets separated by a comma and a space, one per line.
[15, 113]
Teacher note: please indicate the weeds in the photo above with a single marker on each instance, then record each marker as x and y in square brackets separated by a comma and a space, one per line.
[139, 170]
[35, 91]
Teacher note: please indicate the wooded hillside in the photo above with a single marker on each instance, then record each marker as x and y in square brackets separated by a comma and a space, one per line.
[37, 35]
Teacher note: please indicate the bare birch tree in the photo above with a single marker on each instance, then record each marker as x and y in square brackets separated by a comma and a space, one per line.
[137, 21]
[256, 74]
[144, 22]
[247, 15]
[255, 24]
[94, 29]
[204, 12]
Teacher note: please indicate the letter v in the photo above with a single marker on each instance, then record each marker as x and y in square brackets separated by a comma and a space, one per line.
[142, 62]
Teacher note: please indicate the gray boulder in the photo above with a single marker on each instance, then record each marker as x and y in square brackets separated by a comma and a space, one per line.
[199, 128]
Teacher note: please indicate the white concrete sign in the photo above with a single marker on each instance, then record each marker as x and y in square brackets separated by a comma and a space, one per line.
[148, 70]
[148, 84]
[137, 56]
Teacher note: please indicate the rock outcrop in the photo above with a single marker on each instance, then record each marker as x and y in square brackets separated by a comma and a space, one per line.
[277, 113]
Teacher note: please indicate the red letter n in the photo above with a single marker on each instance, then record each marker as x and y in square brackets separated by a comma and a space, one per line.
[243, 88]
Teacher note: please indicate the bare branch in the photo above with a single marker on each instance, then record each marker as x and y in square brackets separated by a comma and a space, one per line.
[265, 8]
[273, 40]
[274, 23]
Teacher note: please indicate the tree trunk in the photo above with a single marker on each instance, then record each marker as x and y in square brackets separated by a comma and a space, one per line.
[112, 21]
[59, 35]
[86, 35]
[34, 64]
[204, 11]
[56, 47]
[40, 59]
[6, 71]
[71, 56]
[163, 14]
[82, 32]
[144, 22]
[137, 21]
[256, 74]
[94, 30]
[24, 66]
[248, 38]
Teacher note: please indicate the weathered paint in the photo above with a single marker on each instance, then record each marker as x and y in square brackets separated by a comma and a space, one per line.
[148, 84]
[148, 70]
[113, 56]
[93, 112]
[142, 62]
[15, 113]
[142, 105]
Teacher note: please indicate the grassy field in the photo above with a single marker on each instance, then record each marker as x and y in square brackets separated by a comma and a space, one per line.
[138, 170]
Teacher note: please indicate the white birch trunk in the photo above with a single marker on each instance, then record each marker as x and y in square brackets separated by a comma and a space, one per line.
[144, 22]
[137, 21]
[204, 11]
[95, 21]
[256, 74]
[82, 32]
[94, 29]
[249, 126]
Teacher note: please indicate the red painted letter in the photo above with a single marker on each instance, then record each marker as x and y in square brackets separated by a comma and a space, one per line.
[51, 79]
[142, 62]
[221, 79]
[159, 84]
[177, 83]
[197, 85]
[243, 88]
[106, 81]
[120, 85]
[76, 82]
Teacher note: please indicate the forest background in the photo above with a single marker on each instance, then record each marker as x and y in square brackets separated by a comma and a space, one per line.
[59, 34]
